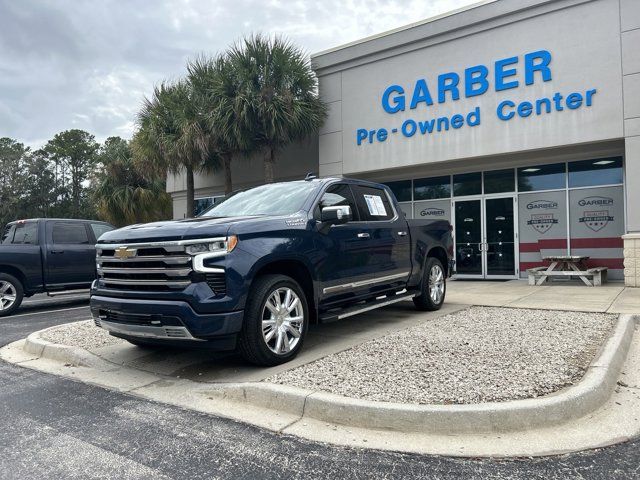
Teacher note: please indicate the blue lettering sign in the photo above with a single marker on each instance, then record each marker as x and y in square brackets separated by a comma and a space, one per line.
[398, 100]
[536, 67]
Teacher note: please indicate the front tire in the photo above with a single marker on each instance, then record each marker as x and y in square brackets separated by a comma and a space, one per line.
[275, 322]
[434, 286]
[11, 294]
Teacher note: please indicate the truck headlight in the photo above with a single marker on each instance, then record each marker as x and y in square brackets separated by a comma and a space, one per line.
[222, 246]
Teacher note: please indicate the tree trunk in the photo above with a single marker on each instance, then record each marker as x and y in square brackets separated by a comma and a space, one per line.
[228, 183]
[269, 163]
[191, 204]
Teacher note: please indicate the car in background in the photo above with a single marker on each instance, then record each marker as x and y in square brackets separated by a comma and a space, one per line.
[52, 256]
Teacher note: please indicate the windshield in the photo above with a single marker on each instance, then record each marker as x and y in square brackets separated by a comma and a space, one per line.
[273, 199]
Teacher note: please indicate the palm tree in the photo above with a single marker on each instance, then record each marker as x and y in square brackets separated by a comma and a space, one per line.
[275, 94]
[123, 195]
[173, 136]
[215, 88]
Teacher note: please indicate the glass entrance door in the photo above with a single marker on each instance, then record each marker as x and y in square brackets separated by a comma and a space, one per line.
[468, 238]
[485, 237]
[499, 244]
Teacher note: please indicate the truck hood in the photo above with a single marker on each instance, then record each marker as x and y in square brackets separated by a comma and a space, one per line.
[190, 228]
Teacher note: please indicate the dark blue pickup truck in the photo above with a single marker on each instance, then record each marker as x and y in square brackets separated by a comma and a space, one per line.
[50, 255]
[254, 271]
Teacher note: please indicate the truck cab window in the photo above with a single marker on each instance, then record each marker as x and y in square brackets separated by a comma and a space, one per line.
[7, 234]
[26, 234]
[70, 234]
[20, 234]
[338, 195]
[373, 204]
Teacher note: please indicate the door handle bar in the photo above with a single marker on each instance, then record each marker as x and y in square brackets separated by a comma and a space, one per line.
[363, 235]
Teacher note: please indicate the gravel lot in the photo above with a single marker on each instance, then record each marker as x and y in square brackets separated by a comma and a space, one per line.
[81, 334]
[480, 354]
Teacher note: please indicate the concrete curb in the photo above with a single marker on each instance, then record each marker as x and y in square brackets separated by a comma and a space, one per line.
[574, 402]
[588, 395]
[78, 357]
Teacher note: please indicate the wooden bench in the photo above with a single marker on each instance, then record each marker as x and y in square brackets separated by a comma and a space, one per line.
[540, 275]
[599, 275]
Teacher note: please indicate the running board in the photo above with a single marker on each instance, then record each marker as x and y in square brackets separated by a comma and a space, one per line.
[349, 312]
[67, 292]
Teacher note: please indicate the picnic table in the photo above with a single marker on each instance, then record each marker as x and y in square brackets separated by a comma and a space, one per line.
[568, 266]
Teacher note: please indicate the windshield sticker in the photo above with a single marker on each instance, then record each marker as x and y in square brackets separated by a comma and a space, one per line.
[376, 207]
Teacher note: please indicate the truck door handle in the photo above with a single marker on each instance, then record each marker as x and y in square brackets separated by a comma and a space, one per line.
[363, 235]
[57, 251]
[402, 234]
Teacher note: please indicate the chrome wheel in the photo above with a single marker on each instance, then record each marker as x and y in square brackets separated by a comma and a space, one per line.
[8, 295]
[436, 284]
[282, 321]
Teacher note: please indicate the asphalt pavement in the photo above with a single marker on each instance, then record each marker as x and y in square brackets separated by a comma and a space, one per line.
[54, 428]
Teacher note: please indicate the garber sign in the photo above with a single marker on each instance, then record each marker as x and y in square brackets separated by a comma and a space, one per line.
[474, 81]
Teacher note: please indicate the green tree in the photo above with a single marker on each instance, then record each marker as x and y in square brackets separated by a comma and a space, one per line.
[215, 86]
[40, 192]
[276, 95]
[172, 135]
[122, 194]
[12, 157]
[74, 154]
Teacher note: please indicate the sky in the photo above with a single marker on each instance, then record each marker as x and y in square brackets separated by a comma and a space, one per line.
[88, 64]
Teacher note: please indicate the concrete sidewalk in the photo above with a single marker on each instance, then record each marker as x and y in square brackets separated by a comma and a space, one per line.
[611, 297]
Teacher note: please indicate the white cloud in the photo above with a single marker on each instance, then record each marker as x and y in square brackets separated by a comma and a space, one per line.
[68, 64]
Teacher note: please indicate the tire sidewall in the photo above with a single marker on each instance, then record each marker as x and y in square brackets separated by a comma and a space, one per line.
[424, 302]
[5, 277]
[431, 262]
[278, 281]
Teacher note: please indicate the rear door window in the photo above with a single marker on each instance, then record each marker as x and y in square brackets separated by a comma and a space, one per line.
[373, 203]
[70, 234]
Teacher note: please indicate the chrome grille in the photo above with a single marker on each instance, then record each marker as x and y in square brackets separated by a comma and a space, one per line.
[145, 267]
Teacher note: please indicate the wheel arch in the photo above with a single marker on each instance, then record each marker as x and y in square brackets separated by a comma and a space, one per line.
[297, 270]
[15, 272]
[441, 254]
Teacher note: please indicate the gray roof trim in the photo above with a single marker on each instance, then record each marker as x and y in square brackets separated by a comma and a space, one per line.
[458, 23]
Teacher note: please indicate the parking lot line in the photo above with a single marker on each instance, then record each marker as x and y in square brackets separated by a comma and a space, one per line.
[48, 311]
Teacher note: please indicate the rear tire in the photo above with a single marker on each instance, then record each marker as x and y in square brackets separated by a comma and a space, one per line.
[433, 288]
[11, 294]
[276, 318]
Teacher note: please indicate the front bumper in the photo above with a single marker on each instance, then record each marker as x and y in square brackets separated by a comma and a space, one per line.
[165, 321]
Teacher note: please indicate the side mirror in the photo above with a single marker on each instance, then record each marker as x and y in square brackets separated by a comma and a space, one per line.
[336, 215]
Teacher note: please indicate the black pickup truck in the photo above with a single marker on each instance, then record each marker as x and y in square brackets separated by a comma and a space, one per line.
[254, 271]
[46, 256]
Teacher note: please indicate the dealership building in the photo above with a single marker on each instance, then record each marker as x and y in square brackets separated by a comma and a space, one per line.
[516, 120]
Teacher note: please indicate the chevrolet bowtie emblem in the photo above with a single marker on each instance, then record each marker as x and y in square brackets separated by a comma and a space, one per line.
[124, 252]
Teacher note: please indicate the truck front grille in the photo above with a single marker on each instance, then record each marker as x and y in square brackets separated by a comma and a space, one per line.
[144, 267]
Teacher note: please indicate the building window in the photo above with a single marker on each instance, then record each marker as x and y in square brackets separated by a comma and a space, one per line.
[467, 184]
[401, 189]
[499, 181]
[203, 204]
[601, 171]
[432, 188]
[541, 177]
